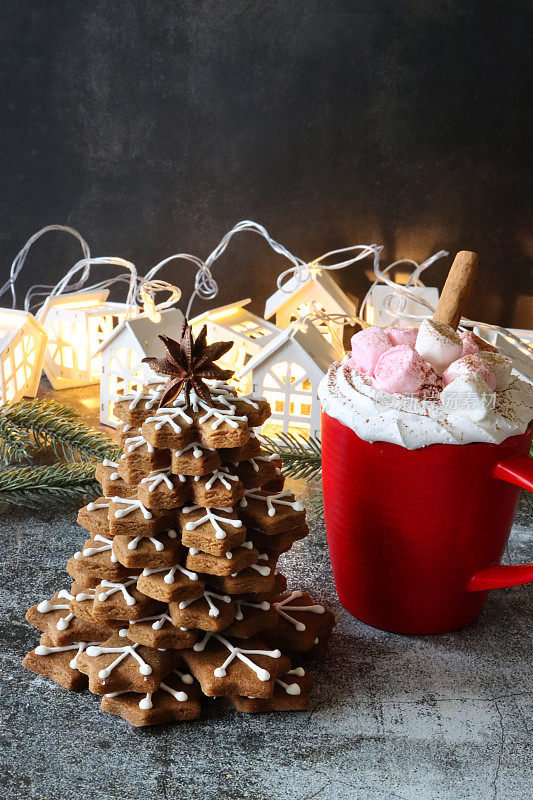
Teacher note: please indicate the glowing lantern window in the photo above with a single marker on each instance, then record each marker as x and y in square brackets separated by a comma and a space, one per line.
[77, 326]
[22, 352]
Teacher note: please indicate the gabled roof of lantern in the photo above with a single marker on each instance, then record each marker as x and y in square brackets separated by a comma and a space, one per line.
[309, 342]
[295, 287]
[146, 332]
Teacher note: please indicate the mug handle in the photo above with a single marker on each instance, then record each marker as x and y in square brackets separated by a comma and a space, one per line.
[517, 470]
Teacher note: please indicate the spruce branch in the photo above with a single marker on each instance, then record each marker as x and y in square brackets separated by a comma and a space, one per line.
[34, 487]
[301, 458]
[15, 443]
[46, 423]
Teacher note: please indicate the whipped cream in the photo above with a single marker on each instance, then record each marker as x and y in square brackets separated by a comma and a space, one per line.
[377, 416]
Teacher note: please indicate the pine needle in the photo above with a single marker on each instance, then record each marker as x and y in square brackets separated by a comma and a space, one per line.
[301, 458]
[34, 487]
[15, 443]
[44, 424]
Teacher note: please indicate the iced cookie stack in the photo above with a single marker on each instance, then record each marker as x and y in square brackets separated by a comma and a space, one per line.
[176, 591]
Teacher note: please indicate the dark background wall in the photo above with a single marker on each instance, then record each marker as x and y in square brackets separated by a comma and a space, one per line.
[154, 125]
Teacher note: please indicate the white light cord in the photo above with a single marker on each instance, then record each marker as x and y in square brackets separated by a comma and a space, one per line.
[20, 258]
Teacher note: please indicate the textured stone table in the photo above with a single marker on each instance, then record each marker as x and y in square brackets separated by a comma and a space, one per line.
[425, 718]
[442, 718]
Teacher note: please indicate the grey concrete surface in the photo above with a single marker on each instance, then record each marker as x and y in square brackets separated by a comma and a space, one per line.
[392, 717]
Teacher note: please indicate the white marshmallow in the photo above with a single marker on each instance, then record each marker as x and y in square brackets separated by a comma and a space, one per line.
[502, 366]
[468, 396]
[438, 344]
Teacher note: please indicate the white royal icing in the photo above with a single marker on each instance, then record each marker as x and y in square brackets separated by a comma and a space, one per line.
[214, 611]
[283, 606]
[45, 607]
[112, 588]
[213, 518]
[171, 573]
[124, 652]
[240, 653]
[46, 650]
[272, 500]
[130, 505]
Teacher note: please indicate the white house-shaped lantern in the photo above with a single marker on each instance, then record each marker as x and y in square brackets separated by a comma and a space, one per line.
[236, 323]
[287, 372]
[22, 352]
[122, 354]
[77, 324]
[317, 292]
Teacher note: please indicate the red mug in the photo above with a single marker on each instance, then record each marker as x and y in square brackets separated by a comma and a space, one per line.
[416, 536]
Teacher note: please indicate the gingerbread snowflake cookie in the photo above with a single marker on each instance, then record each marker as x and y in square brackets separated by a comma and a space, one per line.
[247, 667]
[119, 664]
[302, 623]
[291, 693]
[176, 699]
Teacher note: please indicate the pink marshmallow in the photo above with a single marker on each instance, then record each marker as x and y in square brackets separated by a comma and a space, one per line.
[473, 344]
[367, 346]
[402, 336]
[401, 370]
[471, 365]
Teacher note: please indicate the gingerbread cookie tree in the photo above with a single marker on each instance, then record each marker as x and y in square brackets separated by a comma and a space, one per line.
[176, 591]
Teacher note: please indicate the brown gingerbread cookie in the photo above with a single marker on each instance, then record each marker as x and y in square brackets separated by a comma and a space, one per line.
[112, 484]
[59, 663]
[271, 513]
[194, 459]
[135, 407]
[277, 543]
[231, 562]
[219, 489]
[139, 459]
[251, 617]
[246, 668]
[137, 552]
[159, 631]
[211, 530]
[171, 428]
[176, 699]
[170, 584]
[163, 489]
[280, 585]
[257, 578]
[55, 618]
[255, 407]
[210, 612]
[291, 693]
[94, 517]
[122, 600]
[301, 622]
[255, 472]
[251, 449]
[96, 561]
[124, 431]
[119, 664]
[132, 518]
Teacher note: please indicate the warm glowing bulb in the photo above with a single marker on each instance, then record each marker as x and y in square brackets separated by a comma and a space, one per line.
[149, 307]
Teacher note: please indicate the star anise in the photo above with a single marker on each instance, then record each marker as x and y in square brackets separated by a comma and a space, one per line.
[189, 362]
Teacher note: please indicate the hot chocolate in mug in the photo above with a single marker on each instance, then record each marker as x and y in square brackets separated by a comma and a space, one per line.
[416, 536]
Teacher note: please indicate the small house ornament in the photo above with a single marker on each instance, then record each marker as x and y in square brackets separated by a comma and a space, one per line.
[122, 370]
[22, 353]
[287, 372]
[316, 293]
[77, 325]
[248, 332]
